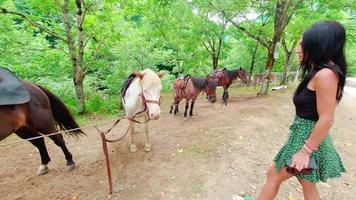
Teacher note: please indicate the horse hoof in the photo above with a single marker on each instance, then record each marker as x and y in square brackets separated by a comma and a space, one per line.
[148, 148]
[185, 118]
[43, 169]
[71, 167]
[133, 148]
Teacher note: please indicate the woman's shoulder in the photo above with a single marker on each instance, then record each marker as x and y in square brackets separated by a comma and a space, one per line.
[326, 74]
[326, 78]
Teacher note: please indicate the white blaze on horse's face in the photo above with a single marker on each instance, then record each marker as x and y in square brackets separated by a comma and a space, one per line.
[151, 88]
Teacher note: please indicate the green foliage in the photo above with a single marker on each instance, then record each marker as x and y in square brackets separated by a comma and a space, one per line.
[167, 82]
[126, 36]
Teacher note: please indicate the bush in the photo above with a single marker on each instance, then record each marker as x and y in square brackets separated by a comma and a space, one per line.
[94, 103]
[167, 82]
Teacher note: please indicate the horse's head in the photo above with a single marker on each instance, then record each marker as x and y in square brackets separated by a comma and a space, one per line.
[242, 74]
[151, 91]
[210, 89]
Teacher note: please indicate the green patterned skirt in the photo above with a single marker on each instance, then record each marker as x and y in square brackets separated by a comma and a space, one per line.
[326, 157]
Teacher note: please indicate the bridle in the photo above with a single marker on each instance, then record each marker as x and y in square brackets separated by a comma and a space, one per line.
[145, 109]
[146, 101]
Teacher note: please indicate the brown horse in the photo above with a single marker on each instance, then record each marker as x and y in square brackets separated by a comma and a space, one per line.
[189, 88]
[39, 116]
[225, 78]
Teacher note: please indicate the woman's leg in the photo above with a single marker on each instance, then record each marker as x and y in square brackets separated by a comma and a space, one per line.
[274, 180]
[310, 191]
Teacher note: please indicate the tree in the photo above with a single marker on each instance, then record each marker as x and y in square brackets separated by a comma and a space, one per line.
[212, 28]
[282, 12]
[76, 41]
[289, 54]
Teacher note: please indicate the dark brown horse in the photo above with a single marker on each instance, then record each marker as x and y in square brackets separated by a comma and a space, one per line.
[189, 88]
[37, 117]
[225, 78]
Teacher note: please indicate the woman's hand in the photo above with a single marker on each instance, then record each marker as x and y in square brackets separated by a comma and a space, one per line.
[300, 160]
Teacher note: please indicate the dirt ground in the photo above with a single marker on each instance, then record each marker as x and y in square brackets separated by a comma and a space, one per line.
[218, 153]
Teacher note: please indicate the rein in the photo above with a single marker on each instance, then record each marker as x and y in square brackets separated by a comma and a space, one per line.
[145, 110]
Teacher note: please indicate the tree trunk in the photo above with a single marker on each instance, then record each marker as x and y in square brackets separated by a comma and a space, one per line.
[269, 65]
[280, 21]
[286, 69]
[296, 75]
[76, 51]
[299, 74]
[289, 59]
[79, 68]
[215, 62]
[252, 63]
[76, 57]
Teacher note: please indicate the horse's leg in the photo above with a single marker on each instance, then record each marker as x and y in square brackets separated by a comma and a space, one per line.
[148, 147]
[133, 147]
[176, 107]
[170, 111]
[172, 105]
[224, 95]
[191, 107]
[26, 133]
[59, 141]
[186, 107]
[227, 97]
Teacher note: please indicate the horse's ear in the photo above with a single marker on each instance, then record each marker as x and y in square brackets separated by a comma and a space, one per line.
[139, 74]
[160, 74]
[240, 68]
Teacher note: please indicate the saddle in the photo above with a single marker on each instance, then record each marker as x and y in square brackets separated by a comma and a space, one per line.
[12, 90]
[181, 82]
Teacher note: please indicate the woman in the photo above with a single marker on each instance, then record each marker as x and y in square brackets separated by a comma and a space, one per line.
[321, 54]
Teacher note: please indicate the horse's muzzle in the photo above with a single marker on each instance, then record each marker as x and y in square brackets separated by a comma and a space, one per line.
[212, 99]
[154, 117]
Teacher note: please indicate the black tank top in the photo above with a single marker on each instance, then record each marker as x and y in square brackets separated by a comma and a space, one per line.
[305, 104]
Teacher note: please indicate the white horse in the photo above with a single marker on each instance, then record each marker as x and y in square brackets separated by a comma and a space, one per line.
[141, 99]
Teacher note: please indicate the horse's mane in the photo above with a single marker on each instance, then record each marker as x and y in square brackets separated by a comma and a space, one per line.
[199, 82]
[127, 84]
[232, 73]
[187, 76]
[150, 78]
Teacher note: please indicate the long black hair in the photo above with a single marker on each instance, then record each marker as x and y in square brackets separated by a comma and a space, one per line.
[323, 47]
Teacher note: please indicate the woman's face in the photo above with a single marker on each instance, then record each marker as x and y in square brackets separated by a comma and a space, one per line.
[299, 51]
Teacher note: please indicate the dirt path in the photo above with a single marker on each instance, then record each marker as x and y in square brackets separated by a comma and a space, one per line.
[214, 155]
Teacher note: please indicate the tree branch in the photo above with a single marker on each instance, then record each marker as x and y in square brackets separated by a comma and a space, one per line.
[284, 45]
[32, 23]
[94, 54]
[207, 48]
[288, 18]
[263, 42]
[260, 40]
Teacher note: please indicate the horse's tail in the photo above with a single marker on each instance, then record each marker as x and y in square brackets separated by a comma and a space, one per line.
[62, 115]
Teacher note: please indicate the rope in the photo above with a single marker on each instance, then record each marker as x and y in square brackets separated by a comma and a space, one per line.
[60, 132]
[116, 121]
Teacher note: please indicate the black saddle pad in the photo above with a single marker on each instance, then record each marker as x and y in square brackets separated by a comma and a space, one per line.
[12, 91]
